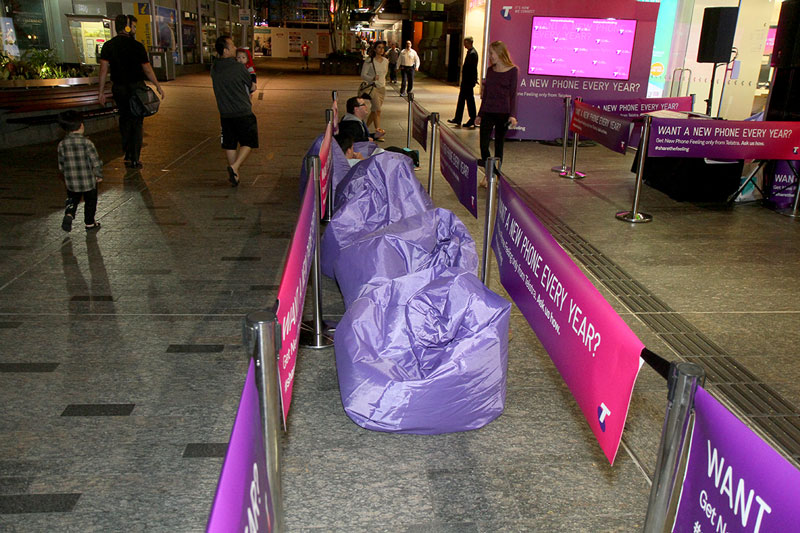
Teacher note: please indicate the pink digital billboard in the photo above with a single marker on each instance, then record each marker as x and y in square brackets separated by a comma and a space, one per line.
[581, 47]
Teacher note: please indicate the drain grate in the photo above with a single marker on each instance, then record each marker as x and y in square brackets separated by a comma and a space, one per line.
[762, 408]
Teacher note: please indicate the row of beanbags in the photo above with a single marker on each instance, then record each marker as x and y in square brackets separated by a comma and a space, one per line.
[376, 192]
[424, 353]
[340, 165]
[432, 238]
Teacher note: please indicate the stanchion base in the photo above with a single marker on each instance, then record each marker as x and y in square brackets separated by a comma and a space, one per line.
[571, 176]
[634, 218]
[788, 212]
[559, 169]
[308, 338]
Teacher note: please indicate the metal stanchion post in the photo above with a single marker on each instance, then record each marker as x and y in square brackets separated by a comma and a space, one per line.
[491, 164]
[571, 173]
[567, 107]
[314, 333]
[410, 119]
[328, 116]
[683, 381]
[329, 205]
[434, 120]
[633, 215]
[262, 339]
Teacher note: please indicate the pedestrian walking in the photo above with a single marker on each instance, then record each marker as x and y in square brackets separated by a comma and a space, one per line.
[409, 64]
[81, 169]
[469, 78]
[374, 71]
[393, 54]
[498, 102]
[232, 84]
[305, 49]
[127, 60]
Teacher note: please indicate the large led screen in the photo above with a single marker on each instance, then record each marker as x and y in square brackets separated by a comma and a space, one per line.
[581, 47]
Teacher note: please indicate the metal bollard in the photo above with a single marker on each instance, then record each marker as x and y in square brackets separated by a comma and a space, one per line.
[491, 164]
[633, 216]
[262, 339]
[329, 204]
[314, 333]
[410, 119]
[683, 381]
[328, 116]
[567, 107]
[434, 120]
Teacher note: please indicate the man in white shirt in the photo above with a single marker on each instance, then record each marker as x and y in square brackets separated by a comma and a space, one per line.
[409, 63]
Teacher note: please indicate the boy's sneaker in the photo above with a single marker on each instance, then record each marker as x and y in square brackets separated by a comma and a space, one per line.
[66, 223]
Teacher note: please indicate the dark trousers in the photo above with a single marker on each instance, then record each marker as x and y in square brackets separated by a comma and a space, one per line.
[498, 123]
[465, 95]
[130, 127]
[407, 73]
[305, 58]
[393, 72]
[89, 204]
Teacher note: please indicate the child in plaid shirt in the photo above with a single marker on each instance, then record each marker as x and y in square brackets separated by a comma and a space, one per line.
[82, 170]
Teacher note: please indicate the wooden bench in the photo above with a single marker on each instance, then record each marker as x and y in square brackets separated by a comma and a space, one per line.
[39, 105]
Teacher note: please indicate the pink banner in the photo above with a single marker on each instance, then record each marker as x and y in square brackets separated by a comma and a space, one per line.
[292, 293]
[636, 107]
[335, 107]
[326, 162]
[419, 124]
[460, 168]
[612, 131]
[242, 499]
[724, 139]
[594, 350]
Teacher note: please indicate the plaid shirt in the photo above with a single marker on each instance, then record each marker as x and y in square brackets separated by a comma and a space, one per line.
[78, 160]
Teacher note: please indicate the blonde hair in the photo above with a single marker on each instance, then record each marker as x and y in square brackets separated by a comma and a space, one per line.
[501, 50]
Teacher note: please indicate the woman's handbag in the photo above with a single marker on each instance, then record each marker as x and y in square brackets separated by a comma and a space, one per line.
[144, 102]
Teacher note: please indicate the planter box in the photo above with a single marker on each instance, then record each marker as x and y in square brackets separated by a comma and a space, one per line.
[58, 82]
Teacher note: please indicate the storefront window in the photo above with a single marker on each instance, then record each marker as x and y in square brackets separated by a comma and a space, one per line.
[89, 35]
[23, 25]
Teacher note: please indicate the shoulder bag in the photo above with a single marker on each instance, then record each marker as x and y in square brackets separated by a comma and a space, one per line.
[144, 102]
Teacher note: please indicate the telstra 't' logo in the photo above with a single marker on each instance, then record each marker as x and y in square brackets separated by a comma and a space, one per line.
[602, 413]
[505, 11]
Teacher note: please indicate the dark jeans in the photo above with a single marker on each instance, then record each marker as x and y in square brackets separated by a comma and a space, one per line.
[130, 127]
[407, 74]
[465, 94]
[393, 72]
[89, 204]
[496, 121]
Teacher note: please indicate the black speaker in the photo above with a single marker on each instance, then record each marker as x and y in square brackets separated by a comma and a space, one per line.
[786, 53]
[716, 36]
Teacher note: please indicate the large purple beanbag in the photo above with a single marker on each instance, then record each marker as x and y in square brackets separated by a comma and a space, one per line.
[431, 238]
[340, 165]
[424, 353]
[377, 192]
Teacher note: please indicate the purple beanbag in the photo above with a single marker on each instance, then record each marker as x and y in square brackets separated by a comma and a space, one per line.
[424, 353]
[431, 238]
[377, 192]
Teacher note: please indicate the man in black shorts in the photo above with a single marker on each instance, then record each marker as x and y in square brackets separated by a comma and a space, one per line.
[232, 89]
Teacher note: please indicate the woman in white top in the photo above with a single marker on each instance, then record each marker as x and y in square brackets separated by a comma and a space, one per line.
[374, 71]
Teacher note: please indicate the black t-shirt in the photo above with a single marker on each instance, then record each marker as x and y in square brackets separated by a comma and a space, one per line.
[126, 56]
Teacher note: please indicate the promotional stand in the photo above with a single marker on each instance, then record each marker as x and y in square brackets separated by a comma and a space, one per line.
[633, 216]
[315, 334]
[683, 381]
[262, 339]
[563, 167]
[491, 164]
[434, 120]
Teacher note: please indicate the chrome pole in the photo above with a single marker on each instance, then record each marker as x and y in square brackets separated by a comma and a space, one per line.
[434, 119]
[492, 163]
[262, 339]
[633, 216]
[567, 106]
[683, 381]
[410, 119]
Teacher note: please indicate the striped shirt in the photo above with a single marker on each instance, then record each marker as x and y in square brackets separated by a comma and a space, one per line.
[78, 160]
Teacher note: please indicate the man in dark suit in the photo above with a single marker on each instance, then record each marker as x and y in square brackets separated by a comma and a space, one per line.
[469, 78]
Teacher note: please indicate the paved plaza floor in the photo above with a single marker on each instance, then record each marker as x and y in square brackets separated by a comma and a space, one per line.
[121, 357]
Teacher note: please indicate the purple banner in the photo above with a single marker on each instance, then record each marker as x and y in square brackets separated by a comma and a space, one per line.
[608, 129]
[326, 164]
[292, 293]
[242, 501]
[724, 139]
[419, 124]
[460, 168]
[635, 107]
[734, 480]
[783, 184]
[540, 109]
[592, 347]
